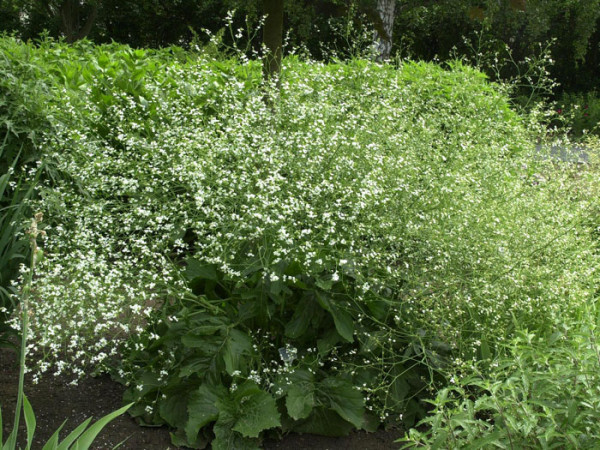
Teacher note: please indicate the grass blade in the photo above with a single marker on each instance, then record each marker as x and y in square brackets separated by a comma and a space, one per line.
[52, 443]
[64, 445]
[84, 442]
[11, 442]
[29, 421]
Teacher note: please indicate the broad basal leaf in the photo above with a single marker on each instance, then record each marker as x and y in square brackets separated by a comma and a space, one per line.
[237, 345]
[300, 321]
[197, 269]
[173, 409]
[228, 439]
[250, 409]
[344, 324]
[202, 409]
[344, 399]
[300, 398]
[325, 422]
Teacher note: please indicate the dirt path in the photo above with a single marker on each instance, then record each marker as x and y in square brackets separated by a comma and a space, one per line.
[54, 400]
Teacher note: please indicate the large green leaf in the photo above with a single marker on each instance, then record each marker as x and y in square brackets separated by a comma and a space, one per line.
[399, 388]
[299, 403]
[206, 343]
[344, 399]
[344, 324]
[197, 269]
[202, 409]
[194, 365]
[301, 319]
[257, 410]
[228, 439]
[300, 399]
[328, 341]
[247, 411]
[237, 345]
[173, 409]
[325, 422]
[179, 439]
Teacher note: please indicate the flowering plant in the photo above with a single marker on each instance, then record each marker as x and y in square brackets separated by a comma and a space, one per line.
[326, 259]
[82, 437]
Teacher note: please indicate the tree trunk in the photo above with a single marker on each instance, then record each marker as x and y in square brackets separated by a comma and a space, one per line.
[273, 37]
[386, 10]
[70, 11]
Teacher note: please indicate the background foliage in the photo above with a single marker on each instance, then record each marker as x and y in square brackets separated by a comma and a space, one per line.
[423, 29]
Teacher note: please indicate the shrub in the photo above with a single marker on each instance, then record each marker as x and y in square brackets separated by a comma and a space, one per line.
[323, 260]
[542, 394]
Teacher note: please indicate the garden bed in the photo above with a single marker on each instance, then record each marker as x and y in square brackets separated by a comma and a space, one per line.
[54, 400]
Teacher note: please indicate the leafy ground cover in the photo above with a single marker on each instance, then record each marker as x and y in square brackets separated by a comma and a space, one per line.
[56, 400]
[320, 264]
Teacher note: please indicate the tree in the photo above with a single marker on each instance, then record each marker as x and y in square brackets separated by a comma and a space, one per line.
[71, 12]
[386, 10]
[70, 19]
[273, 37]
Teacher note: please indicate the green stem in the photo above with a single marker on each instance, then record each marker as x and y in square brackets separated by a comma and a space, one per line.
[12, 444]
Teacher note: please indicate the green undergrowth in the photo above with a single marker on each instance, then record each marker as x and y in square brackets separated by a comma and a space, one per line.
[319, 264]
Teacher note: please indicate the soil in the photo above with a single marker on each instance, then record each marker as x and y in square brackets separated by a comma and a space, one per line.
[54, 400]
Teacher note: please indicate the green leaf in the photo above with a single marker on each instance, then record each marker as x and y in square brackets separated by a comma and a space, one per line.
[300, 399]
[197, 269]
[344, 324]
[324, 422]
[204, 341]
[194, 365]
[399, 388]
[73, 435]
[87, 438]
[237, 345]
[344, 399]
[326, 285]
[173, 409]
[257, 410]
[328, 341]
[300, 321]
[29, 421]
[299, 403]
[441, 441]
[202, 409]
[178, 439]
[52, 443]
[485, 350]
[486, 441]
[228, 439]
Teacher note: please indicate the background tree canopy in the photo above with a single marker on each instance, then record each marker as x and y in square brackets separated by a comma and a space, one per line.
[423, 29]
